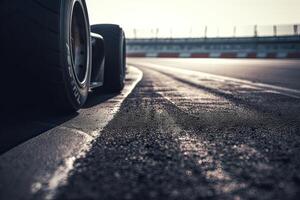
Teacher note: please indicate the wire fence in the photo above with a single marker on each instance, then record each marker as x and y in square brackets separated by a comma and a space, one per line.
[216, 31]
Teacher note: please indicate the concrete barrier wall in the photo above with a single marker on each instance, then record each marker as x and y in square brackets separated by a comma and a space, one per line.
[248, 47]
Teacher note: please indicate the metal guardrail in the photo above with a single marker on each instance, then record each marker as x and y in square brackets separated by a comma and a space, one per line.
[214, 31]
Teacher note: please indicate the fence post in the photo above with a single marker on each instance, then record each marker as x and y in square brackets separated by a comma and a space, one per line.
[191, 32]
[275, 30]
[295, 29]
[134, 33]
[255, 31]
[234, 31]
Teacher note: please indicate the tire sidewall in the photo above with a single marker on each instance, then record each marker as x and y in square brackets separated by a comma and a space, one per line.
[122, 58]
[115, 69]
[76, 93]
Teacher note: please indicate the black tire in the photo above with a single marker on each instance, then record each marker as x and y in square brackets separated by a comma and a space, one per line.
[38, 40]
[115, 55]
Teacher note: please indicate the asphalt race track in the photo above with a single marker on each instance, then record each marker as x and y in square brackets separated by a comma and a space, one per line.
[182, 129]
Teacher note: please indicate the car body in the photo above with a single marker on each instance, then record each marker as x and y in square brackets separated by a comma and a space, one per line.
[53, 54]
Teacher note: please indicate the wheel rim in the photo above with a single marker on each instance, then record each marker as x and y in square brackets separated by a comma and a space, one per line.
[79, 43]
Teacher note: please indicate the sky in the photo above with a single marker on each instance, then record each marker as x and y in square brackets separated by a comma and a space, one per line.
[188, 17]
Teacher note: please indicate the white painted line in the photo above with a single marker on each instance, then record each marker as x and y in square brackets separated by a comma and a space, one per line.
[151, 55]
[215, 55]
[242, 55]
[192, 75]
[282, 55]
[185, 55]
[261, 55]
[42, 164]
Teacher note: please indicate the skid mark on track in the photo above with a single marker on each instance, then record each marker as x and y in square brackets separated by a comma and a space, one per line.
[212, 107]
[196, 148]
[228, 119]
[223, 83]
[245, 96]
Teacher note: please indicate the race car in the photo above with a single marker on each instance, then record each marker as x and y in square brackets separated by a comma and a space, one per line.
[48, 47]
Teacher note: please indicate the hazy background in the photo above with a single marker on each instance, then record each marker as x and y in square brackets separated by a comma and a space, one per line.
[189, 17]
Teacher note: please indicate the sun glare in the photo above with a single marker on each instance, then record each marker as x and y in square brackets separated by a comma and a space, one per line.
[189, 17]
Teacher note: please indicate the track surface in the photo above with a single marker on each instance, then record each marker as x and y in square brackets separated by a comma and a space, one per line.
[184, 134]
[284, 73]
